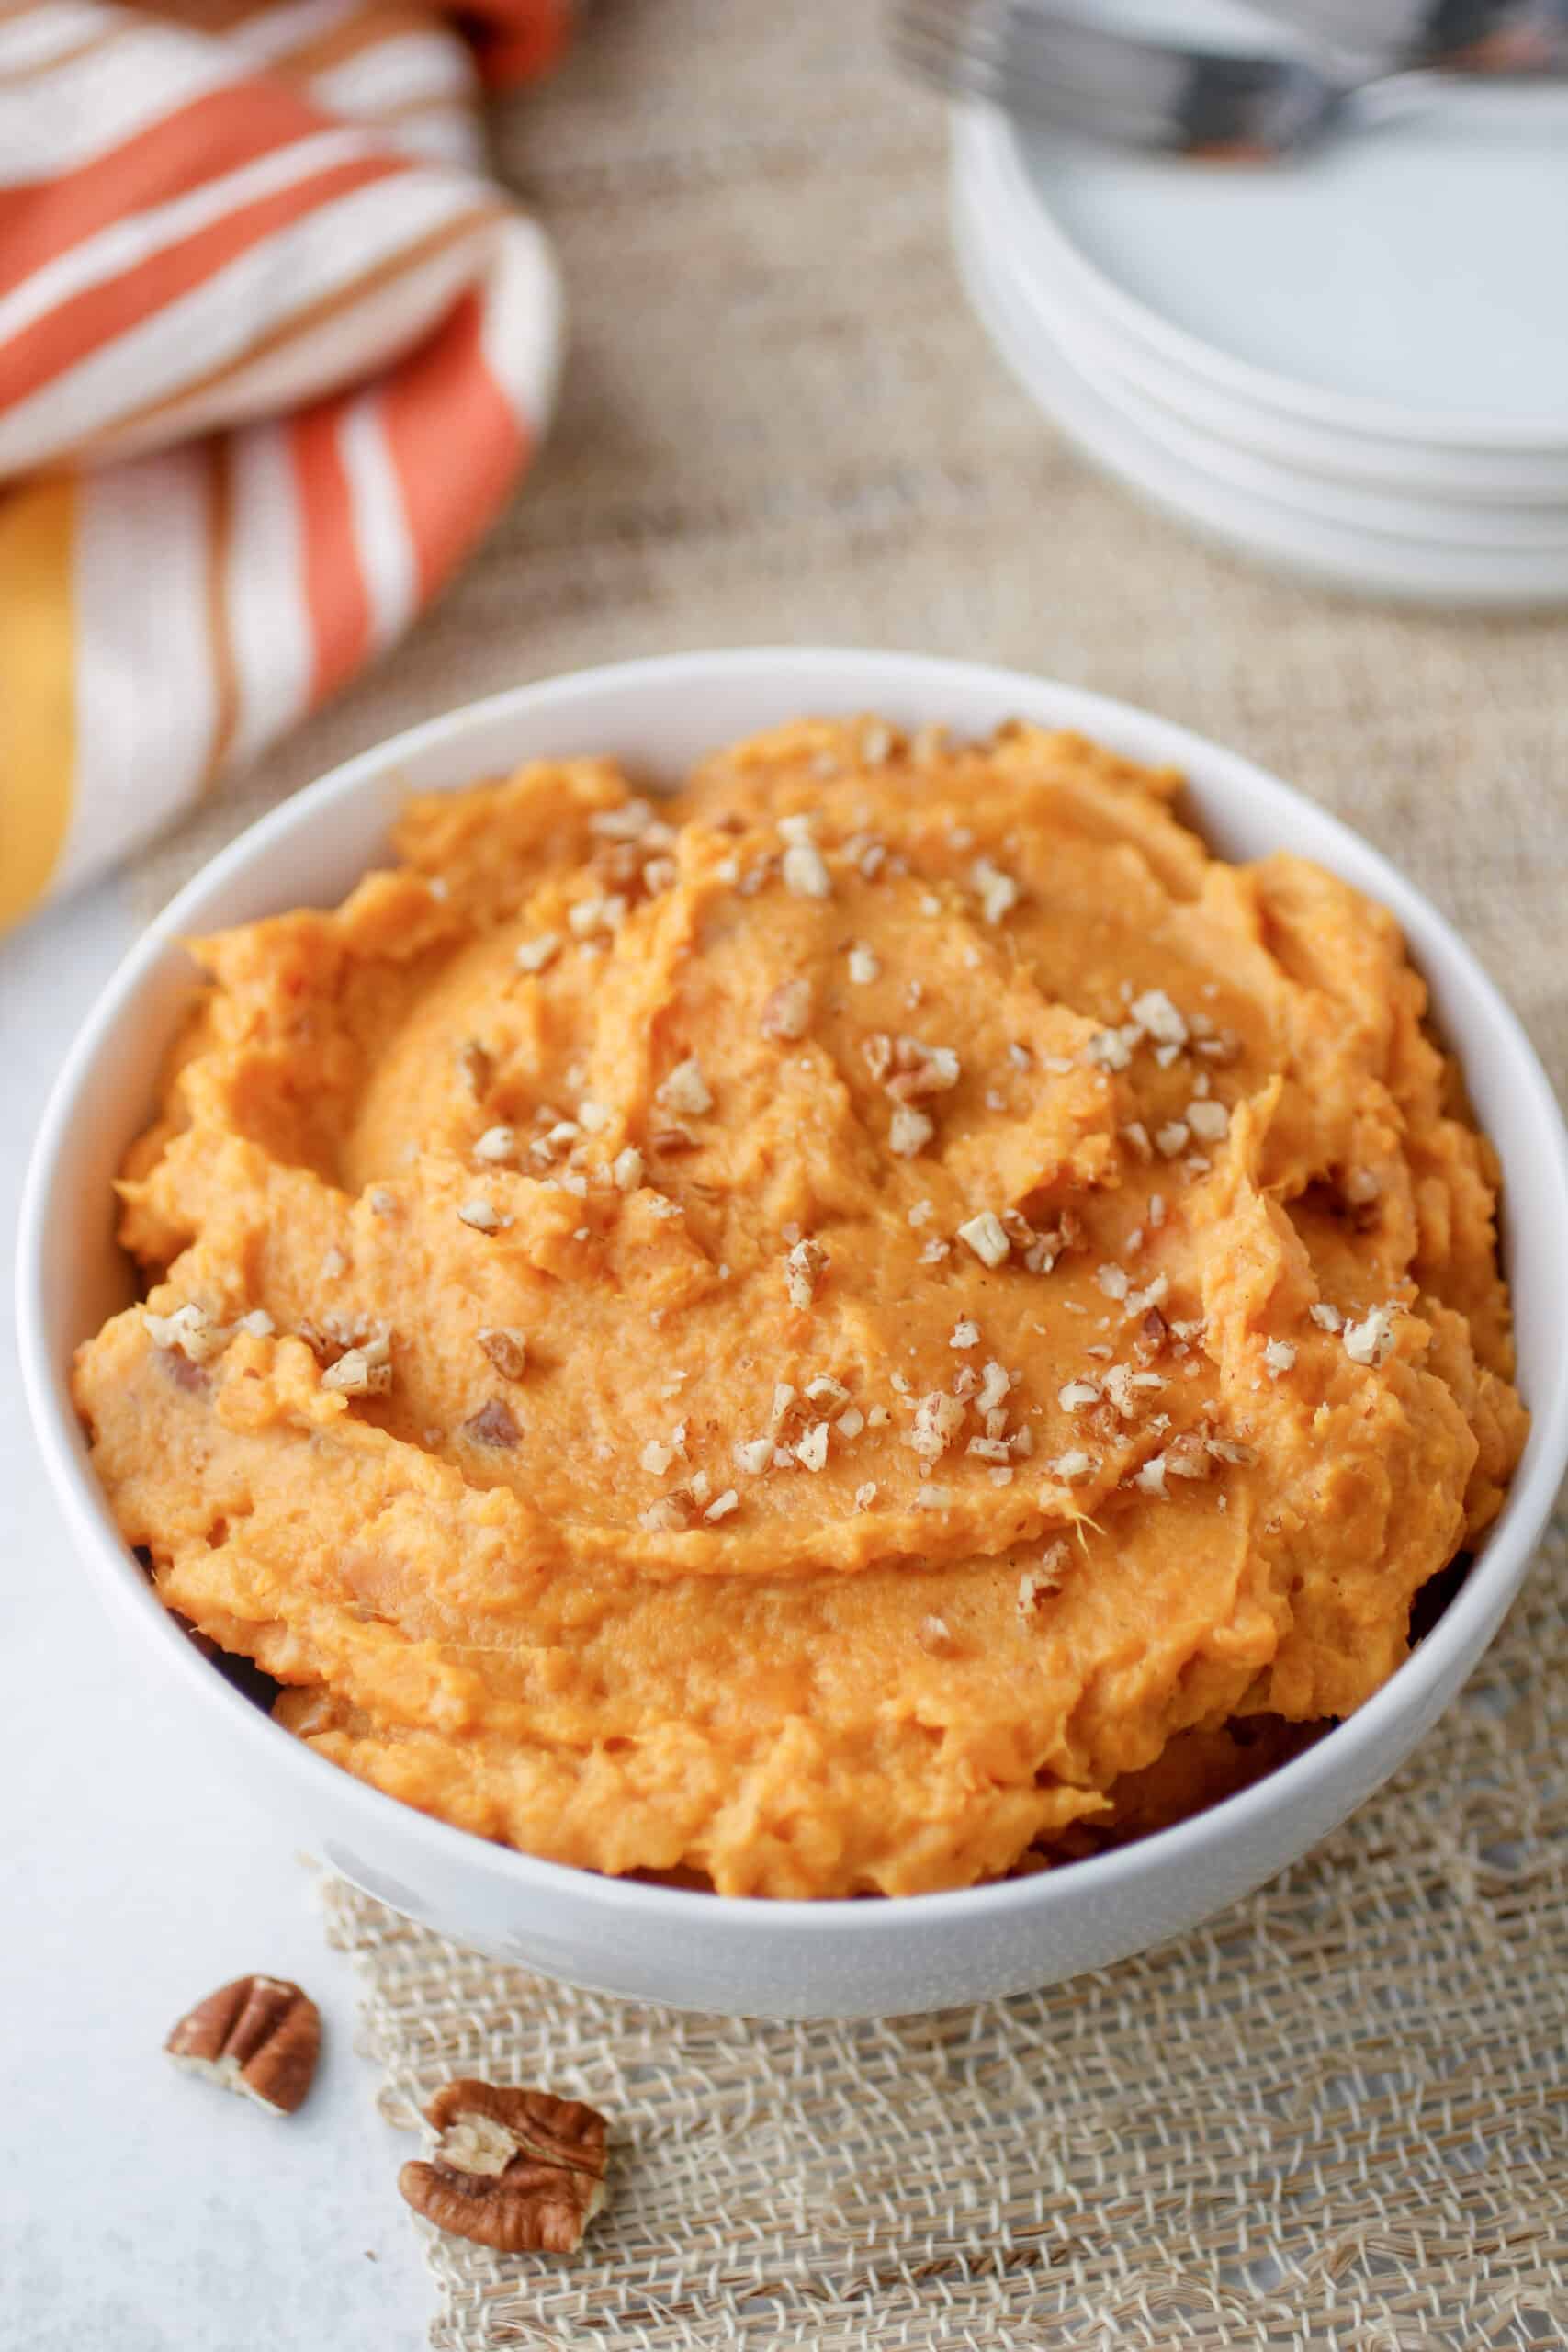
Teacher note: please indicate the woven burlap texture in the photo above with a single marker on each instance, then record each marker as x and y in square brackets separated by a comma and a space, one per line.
[1338, 2118]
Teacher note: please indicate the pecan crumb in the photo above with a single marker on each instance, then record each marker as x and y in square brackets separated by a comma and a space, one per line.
[803, 1268]
[1370, 1340]
[685, 1091]
[189, 1331]
[919, 1069]
[1037, 1582]
[477, 1067]
[482, 1214]
[626, 822]
[938, 1420]
[507, 1349]
[805, 870]
[908, 1132]
[999, 893]
[1154, 1332]
[987, 1236]
[787, 1013]
[365, 1371]
[532, 954]
[493, 1425]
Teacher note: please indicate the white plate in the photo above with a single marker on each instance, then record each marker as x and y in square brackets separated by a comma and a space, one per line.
[1333, 553]
[1411, 272]
[986, 146]
[1538, 527]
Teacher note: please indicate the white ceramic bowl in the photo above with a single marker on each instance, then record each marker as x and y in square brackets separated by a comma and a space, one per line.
[693, 1950]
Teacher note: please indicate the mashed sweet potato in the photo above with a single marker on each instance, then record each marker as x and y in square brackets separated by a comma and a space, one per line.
[806, 1333]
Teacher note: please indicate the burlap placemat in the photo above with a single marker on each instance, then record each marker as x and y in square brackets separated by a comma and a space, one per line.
[1337, 2119]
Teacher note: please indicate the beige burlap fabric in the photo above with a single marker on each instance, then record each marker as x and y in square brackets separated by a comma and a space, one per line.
[1337, 2119]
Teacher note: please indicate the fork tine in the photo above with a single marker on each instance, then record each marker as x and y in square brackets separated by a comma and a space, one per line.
[1014, 78]
[1088, 79]
[959, 75]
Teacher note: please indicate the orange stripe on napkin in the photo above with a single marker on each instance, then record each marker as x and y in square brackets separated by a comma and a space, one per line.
[335, 594]
[443, 409]
[220, 637]
[96, 316]
[203, 140]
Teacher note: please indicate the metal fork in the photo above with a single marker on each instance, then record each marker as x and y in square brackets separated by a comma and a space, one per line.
[1461, 35]
[1043, 60]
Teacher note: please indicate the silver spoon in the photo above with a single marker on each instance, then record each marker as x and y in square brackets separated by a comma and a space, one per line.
[1041, 61]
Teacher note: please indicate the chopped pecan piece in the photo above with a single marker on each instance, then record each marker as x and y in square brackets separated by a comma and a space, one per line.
[507, 1349]
[189, 1331]
[1190, 1457]
[1053, 1242]
[806, 873]
[685, 1091]
[987, 1236]
[908, 1132]
[1154, 1332]
[519, 2170]
[787, 1013]
[679, 1509]
[365, 1371]
[803, 1268]
[617, 867]
[476, 1066]
[260, 2036]
[938, 1420]
[921, 1070]
[491, 1424]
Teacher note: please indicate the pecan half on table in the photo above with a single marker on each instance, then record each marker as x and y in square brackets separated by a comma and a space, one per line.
[519, 2170]
[260, 2036]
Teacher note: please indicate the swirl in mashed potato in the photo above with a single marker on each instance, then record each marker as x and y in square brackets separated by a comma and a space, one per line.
[804, 1333]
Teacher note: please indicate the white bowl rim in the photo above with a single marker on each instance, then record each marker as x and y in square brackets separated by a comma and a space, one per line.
[995, 134]
[1499, 1569]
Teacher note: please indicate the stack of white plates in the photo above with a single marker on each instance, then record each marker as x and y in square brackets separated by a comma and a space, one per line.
[1354, 364]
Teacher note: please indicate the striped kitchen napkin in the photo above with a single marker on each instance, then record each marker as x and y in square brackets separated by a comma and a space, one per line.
[273, 354]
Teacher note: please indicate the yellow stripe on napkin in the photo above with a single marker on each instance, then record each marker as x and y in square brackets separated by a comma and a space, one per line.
[38, 711]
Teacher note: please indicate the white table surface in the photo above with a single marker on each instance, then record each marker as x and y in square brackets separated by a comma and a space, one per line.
[141, 2209]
